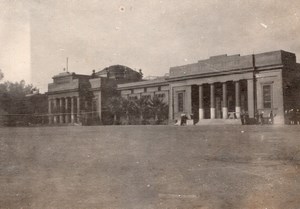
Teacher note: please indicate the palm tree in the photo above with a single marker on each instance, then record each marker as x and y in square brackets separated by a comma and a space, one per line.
[114, 105]
[128, 107]
[143, 105]
[159, 108]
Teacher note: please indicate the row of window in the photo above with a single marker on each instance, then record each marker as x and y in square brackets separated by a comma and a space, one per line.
[159, 95]
[145, 89]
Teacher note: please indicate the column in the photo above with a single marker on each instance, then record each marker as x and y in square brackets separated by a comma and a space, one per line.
[224, 107]
[250, 92]
[99, 108]
[72, 110]
[212, 102]
[188, 100]
[78, 109]
[50, 111]
[237, 99]
[201, 105]
[61, 117]
[171, 109]
[56, 111]
[66, 110]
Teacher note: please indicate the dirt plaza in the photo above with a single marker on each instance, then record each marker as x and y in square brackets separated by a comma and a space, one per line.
[137, 167]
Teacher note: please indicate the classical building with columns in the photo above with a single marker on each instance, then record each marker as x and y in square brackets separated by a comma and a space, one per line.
[221, 88]
[75, 98]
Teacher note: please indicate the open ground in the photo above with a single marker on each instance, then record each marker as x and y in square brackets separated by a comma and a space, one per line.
[137, 167]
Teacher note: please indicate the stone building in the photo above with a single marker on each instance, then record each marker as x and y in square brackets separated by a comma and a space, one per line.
[215, 90]
[219, 89]
[148, 88]
[75, 98]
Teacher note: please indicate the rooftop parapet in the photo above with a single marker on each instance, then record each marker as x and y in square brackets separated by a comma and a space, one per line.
[153, 82]
[225, 63]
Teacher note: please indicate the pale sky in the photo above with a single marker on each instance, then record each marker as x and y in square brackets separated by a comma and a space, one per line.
[37, 36]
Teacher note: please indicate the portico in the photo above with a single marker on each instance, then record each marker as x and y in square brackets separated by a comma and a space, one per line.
[213, 100]
[224, 87]
[81, 99]
[64, 109]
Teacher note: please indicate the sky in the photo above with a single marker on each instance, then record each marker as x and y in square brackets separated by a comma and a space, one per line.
[37, 36]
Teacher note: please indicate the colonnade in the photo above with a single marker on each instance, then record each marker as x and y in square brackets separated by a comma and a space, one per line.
[62, 110]
[224, 103]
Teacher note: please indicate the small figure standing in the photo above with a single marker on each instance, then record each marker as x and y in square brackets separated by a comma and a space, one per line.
[246, 118]
[293, 117]
[261, 118]
[243, 118]
[298, 117]
[256, 116]
[271, 117]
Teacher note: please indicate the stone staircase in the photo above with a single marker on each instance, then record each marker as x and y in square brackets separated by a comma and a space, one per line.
[219, 122]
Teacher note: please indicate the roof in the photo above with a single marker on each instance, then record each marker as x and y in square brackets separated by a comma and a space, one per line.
[224, 63]
[154, 82]
[114, 69]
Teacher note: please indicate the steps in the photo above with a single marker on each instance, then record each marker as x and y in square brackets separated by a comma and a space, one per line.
[219, 122]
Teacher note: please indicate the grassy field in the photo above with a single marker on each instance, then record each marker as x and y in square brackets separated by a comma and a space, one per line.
[137, 167]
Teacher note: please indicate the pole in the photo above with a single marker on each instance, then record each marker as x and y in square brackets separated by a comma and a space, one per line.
[67, 66]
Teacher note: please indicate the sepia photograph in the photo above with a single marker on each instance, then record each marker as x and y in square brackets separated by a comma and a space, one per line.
[161, 104]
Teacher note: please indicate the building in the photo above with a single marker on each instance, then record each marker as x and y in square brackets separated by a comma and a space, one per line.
[75, 98]
[221, 88]
[147, 88]
[216, 90]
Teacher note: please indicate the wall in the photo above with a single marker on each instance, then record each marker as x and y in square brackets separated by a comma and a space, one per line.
[274, 78]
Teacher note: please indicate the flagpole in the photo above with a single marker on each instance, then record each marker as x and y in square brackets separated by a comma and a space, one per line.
[67, 67]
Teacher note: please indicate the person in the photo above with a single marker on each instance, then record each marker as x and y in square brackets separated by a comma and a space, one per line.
[293, 117]
[271, 117]
[286, 117]
[243, 118]
[290, 116]
[183, 119]
[298, 117]
[261, 118]
[246, 118]
[256, 116]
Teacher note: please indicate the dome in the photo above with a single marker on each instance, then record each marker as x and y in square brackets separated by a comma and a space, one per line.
[119, 72]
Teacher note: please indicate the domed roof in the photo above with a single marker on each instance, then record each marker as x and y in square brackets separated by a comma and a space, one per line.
[120, 73]
[114, 69]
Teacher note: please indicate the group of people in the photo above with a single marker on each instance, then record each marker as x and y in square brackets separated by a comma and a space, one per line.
[292, 116]
[259, 118]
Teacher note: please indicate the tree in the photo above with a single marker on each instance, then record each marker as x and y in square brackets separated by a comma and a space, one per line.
[114, 105]
[12, 96]
[13, 100]
[159, 109]
[143, 106]
[128, 108]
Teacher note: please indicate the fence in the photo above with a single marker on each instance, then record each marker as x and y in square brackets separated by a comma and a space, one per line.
[84, 118]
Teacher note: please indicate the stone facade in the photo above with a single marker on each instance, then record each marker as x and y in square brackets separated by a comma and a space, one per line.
[149, 88]
[74, 98]
[221, 88]
[224, 87]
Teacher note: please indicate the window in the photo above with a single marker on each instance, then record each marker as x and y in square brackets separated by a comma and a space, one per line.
[180, 96]
[145, 89]
[267, 96]
[159, 88]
